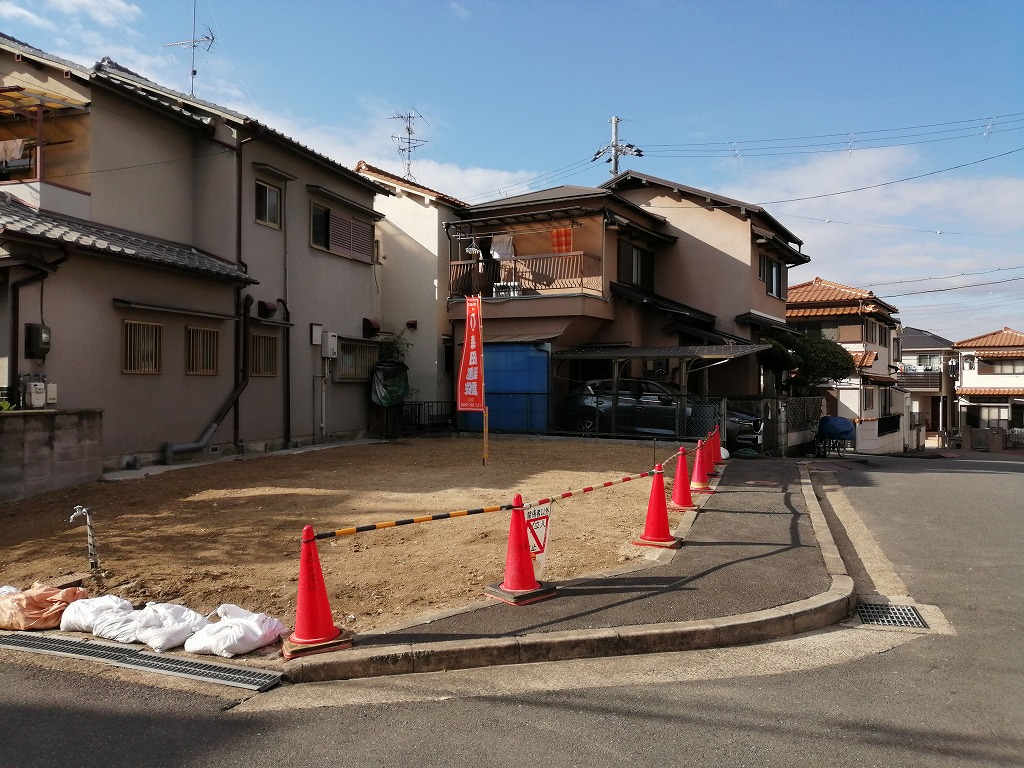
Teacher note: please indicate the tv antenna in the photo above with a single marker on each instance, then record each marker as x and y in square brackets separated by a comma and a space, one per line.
[206, 40]
[406, 142]
[616, 149]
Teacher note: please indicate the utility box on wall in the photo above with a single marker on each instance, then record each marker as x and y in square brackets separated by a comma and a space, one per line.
[329, 345]
[37, 340]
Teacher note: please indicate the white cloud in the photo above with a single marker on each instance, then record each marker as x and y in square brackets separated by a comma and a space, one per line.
[459, 10]
[891, 233]
[109, 13]
[13, 12]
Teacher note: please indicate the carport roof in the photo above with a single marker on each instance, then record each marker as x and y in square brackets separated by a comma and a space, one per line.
[701, 352]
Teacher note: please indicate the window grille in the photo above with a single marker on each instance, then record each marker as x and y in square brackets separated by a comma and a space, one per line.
[201, 346]
[141, 347]
[355, 361]
[262, 355]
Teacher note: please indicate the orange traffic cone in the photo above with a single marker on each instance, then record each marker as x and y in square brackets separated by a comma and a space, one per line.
[699, 481]
[520, 585]
[314, 627]
[709, 455]
[681, 498]
[719, 459]
[656, 533]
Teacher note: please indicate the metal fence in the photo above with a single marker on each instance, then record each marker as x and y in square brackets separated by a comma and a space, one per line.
[803, 413]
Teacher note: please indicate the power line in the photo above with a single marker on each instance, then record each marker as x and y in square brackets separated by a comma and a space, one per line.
[988, 122]
[898, 229]
[951, 288]
[894, 181]
[943, 277]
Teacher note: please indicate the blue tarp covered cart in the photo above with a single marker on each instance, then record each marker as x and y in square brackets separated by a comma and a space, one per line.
[835, 435]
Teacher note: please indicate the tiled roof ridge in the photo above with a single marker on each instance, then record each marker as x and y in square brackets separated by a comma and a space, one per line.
[857, 292]
[364, 167]
[1006, 337]
[31, 50]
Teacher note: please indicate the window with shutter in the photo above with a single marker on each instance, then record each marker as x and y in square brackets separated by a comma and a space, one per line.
[340, 233]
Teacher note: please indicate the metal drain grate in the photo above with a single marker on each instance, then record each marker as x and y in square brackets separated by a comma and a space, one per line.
[890, 615]
[121, 656]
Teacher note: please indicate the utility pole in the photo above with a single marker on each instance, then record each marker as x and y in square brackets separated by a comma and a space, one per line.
[406, 142]
[616, 148]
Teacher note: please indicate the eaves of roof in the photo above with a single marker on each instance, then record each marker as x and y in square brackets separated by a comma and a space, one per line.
[990, 391]
[565, 196]
[627, 177]
[23, 221]
[206, 113]
[821, 311]
[654, 300]
[365, 168]
[17, 46]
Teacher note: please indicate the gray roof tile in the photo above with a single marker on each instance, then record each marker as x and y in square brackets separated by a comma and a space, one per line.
[17, 217]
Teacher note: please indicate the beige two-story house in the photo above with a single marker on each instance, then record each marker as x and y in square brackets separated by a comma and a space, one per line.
[204, 281]
[640, 280]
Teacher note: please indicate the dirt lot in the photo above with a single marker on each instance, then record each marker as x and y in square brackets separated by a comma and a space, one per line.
[229, 531]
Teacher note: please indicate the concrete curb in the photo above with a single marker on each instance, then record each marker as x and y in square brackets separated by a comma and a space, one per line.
[821, 610]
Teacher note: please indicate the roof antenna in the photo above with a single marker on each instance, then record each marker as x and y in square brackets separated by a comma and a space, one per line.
[616, 148]
[406, 142]
[194, 43]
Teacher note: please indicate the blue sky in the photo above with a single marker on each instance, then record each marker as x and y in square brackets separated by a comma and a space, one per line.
[867, 128]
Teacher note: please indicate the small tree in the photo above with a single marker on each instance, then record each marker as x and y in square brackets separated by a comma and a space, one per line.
[820, 362]
[393, 346]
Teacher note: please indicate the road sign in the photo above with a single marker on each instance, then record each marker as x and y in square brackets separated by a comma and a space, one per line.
[538, 523]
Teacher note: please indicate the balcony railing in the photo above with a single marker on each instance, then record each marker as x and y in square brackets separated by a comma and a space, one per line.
[556, 273]
[920, 380]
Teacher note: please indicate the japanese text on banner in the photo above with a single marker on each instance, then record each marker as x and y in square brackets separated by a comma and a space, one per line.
[471, 370]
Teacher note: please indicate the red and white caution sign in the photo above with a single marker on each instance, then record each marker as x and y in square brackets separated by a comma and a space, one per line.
[538, 524]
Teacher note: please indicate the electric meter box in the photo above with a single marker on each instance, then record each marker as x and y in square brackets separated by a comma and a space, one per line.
[37, 340]
[329, 345]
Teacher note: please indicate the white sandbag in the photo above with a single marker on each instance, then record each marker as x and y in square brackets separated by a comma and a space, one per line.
[119, 626]
[7, 589]
[239, 631]
[81, 615]
[163, 626]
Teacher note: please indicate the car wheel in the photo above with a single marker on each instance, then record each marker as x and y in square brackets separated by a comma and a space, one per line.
[587, 426]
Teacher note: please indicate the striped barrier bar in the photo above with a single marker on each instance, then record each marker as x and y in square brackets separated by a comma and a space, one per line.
[409, 521]
[466, 512]
[589, 488]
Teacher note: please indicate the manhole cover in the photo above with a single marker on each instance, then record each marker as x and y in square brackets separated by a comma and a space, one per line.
[890, 615]
[121, 656]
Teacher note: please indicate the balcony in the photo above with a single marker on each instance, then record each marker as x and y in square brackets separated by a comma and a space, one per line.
[919, 381]
[540, 275]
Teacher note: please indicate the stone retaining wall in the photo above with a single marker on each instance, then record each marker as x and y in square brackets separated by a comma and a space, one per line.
[46, 450]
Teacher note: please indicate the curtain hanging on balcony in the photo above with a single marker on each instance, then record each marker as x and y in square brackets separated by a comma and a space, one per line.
[561, 240]
[502, 247]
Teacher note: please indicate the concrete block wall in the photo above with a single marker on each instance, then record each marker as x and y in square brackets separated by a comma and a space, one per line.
[47, 450]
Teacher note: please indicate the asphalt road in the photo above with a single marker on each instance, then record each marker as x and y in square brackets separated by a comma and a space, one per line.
[946, 533]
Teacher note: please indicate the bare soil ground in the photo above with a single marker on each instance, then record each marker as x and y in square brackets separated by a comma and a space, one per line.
[229, 531]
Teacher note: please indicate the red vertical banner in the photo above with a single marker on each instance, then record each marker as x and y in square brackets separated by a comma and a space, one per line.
[470, 395]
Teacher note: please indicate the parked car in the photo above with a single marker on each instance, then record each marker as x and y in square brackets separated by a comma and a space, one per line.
[645, 406]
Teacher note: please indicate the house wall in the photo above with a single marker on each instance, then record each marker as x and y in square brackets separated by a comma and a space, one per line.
[141, 411]
[414, 286]
[142, 169]
[712, 265]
